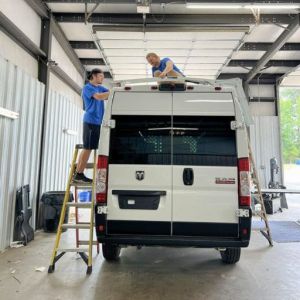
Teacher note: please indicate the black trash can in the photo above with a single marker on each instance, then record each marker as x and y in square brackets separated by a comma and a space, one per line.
[52, 206]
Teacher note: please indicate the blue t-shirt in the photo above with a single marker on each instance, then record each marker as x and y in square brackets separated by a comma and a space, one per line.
[162, 66]
[94, 109]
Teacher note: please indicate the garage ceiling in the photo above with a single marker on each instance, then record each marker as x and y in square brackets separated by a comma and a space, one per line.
[221, 43]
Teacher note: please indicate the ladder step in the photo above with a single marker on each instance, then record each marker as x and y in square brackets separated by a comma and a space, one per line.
[73, 249]
[83, 185]
[76, 226]
[88, 166]
[87, 243]
[80, 205]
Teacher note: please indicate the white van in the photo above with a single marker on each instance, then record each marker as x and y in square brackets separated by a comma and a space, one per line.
[173, 167]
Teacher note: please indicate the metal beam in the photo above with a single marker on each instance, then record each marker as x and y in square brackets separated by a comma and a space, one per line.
[267, 46]
[260, 78]
[92, 61]
[19, 37]
[65, 78]
[83, 45]
[281, 40]
[39, 7]
[175, 19]
[272, 63]
[64, 43]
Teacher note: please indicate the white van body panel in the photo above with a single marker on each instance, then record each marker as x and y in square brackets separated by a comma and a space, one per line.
[157, 178]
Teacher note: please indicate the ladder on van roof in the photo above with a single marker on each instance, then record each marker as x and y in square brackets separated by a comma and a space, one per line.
[85, 253]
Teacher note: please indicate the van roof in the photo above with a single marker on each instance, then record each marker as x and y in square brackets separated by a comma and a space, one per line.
[200, 85]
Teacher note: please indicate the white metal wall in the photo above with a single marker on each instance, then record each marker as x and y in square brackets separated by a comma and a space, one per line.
[265, 141]
[19, 141]
[62, 113]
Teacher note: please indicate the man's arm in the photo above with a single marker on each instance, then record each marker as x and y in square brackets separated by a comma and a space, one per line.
[168, 68]
[101, 96]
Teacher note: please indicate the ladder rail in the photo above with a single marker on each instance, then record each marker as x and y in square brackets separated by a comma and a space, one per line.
[63, 211]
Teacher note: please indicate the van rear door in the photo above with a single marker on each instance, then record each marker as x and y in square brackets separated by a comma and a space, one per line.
[205, 187]
[140, 172]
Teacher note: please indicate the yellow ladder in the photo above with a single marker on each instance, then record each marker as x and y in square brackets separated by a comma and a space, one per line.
[59, 252]
[266, 231]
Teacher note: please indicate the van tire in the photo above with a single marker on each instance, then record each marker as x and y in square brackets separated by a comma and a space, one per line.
[231, 255]
[111, 252]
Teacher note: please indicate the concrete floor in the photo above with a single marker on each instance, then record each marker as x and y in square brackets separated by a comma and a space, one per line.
[153, 273]
[157, 273]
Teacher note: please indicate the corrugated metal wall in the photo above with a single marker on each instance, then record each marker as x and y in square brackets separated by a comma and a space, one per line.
[19, 141]
[61, 114]
[265, 141]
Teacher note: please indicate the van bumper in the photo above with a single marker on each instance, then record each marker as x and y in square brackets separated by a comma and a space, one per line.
[178, 241]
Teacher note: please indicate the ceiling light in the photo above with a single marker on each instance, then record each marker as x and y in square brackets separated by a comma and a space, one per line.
[194, 5]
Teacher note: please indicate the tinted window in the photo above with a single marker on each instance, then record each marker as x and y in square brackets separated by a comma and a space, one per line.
[203, 141]
[141, 140]
[198, 141]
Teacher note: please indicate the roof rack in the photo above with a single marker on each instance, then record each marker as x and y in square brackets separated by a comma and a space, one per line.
[122, 83]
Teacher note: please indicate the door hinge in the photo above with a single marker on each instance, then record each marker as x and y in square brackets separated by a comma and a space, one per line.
[234, 125]
[243, 213]
[109, 124]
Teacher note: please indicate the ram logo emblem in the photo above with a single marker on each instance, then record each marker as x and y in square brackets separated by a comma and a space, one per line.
[140, 175]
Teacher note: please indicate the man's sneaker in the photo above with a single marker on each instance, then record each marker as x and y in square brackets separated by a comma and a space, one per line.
[80, 178]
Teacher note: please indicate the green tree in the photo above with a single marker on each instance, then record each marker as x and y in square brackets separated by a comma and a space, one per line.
[290, 123]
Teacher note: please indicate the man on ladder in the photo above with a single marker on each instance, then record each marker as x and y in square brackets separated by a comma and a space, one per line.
[93, 95]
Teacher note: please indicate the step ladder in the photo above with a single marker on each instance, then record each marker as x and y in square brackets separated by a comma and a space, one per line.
[266, 231]
[85, 253]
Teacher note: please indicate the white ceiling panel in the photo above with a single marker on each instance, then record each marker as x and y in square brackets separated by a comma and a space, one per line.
[215, 44]
[295, 37]
[264, 33]
[130, 72]
[118, 35]
[91, 67]
[248, 54]
[205, 59]
[202, 66]
[125, 52]
[291, 81]
[169, 44]
[200, 72]
[122, 44]
[170, 52]
[169, 36]
[212, 36]
[287, 55]
[234, 70]
[129, 66]
[127, 59]
[275, 70]
[88, 53]
[223, 52]
[77, 31]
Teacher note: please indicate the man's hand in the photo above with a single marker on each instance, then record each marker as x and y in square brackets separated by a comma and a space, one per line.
[162, 75]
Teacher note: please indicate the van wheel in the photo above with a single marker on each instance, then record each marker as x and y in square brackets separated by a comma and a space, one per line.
[111, 252]
[231, 255]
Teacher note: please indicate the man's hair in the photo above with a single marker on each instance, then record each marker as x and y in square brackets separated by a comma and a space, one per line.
[151, 54]
[93, 72]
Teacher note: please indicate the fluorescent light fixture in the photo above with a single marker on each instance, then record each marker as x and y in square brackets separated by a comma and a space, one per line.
[194, 5]
[70, 131]
[8, 113]
[172, 128]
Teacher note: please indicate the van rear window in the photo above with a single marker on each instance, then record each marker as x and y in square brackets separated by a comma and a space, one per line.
[178, 140]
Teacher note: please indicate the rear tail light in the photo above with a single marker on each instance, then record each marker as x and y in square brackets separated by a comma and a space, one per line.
[102, 176]
[244, 182]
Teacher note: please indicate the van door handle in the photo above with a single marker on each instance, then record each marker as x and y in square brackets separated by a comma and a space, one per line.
[188, 176]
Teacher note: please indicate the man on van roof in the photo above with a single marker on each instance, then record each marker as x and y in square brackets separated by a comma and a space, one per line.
[93, 95]
[163, 67]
